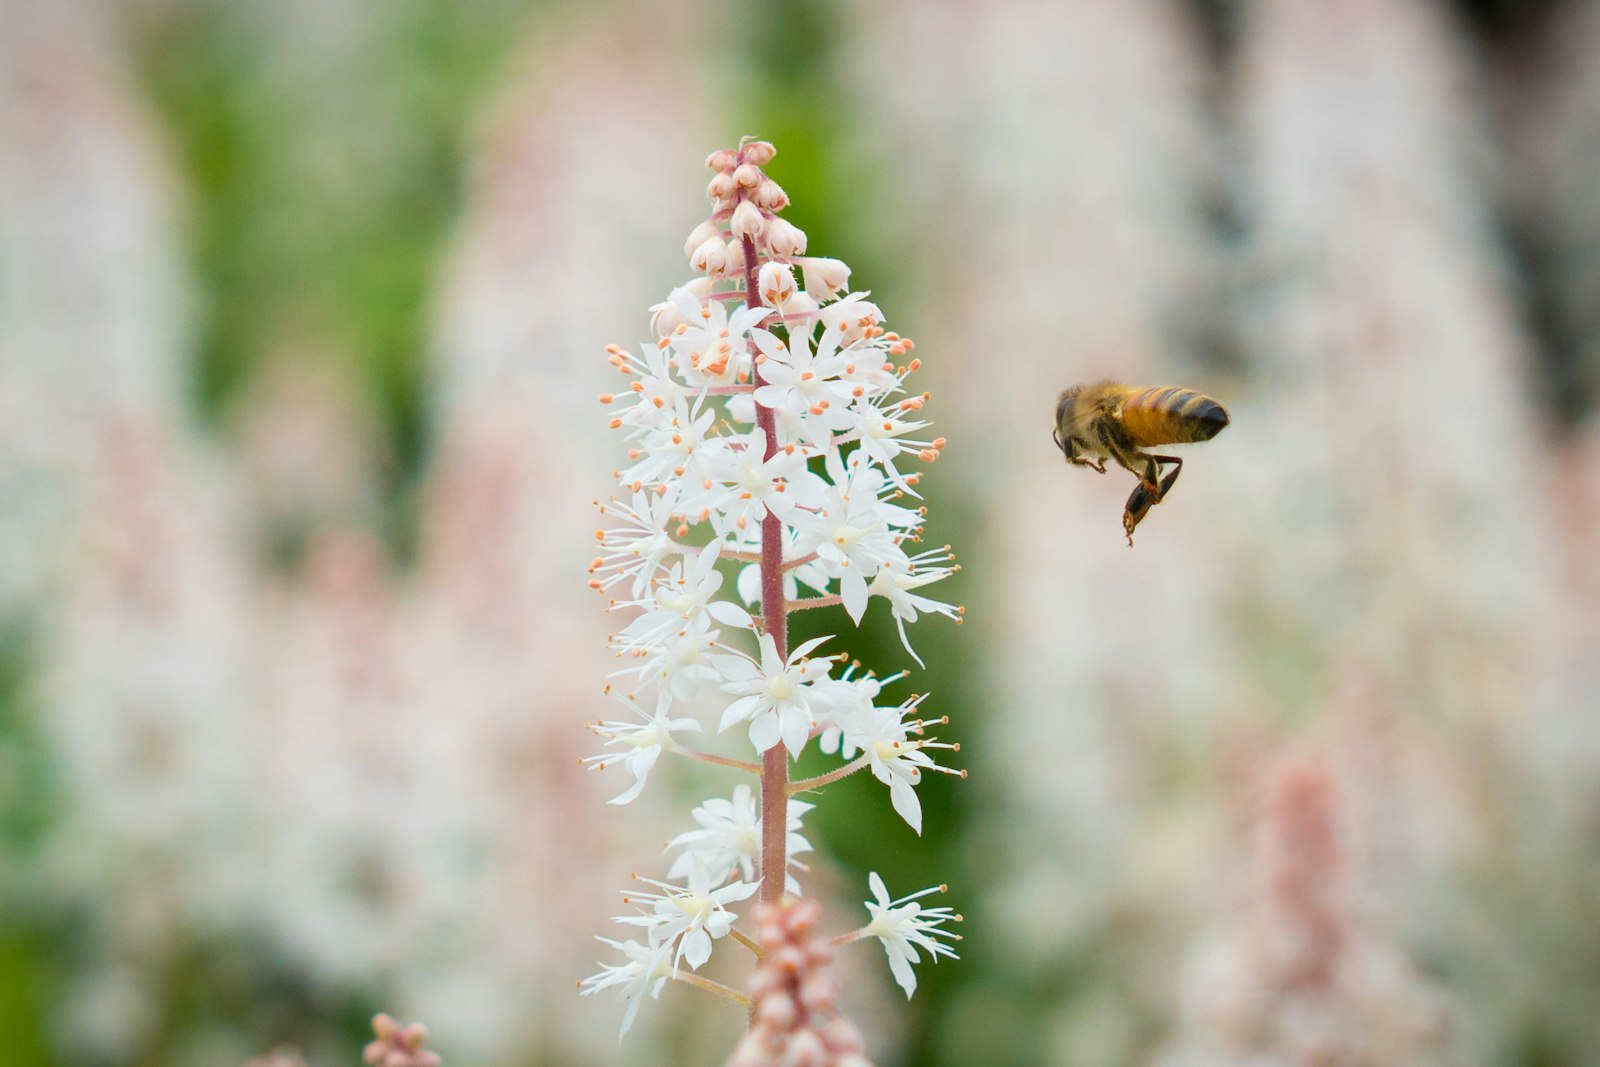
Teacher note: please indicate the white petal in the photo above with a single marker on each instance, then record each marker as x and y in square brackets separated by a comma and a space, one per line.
[628, 1017]
[796, 729]
[695, 949]
[853, 591]
[879, 891]
[904, 640]
[733, 668]
[764, 731]
[738, 710]
[730, 614]
[906, 803]
[805, 649]
[904, 976]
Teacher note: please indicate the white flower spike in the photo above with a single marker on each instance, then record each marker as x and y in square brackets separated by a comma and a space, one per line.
[770, 435]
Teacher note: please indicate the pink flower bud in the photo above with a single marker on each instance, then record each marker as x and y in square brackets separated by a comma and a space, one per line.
[710, 258]
[770, 196]
[699, 236]
[735, 258]
[841, 1035]
[721, 186]
[759, 152]
[824, 278]
[747, 220]
[777, 1013]
[723, 159]
[776, 284]
[819, 994]
[785, 240]
[748, 176]
[807, 1050]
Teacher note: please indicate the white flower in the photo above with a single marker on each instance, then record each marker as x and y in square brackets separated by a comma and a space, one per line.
[850, 531]
[751, 485]
[904, 925]
[806, 390]
[882, 433]
[729, 839]
[681, 664]
[642, 743]
[669, 314]
[854, 316]
[646, 971]
[638, 546]
[692, 916]
[666, 449]
[895, 751]
[713, 347]
[897, 580]
[684, 599]
[776, 696]
[653, 392]
[851, 699]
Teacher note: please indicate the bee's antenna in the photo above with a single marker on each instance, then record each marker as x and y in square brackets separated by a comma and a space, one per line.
[1056, 437]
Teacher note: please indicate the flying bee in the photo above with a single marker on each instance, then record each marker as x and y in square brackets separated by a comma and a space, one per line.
[1109, 420]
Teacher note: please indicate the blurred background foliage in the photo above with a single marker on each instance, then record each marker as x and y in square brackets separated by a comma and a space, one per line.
[326, 159]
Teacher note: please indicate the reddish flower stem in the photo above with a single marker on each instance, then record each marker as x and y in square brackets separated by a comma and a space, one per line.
[775, 621]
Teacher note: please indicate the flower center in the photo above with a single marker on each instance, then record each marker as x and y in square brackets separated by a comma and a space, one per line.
[846, 535]
[698, 908]
[780, 687]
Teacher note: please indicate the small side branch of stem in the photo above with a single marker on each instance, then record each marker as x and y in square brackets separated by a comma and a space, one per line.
[829, 601]
[721, 761]
[832, 776]
[701, 982]
[739, 936]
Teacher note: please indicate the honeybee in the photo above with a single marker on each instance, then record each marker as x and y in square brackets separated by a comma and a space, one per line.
[1109, 420]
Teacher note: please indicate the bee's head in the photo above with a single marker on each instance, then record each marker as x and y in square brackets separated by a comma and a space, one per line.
[1064, 412]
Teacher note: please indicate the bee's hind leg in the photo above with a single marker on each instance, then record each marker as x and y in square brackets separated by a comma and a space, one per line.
[1151, 490]
[1163, 486]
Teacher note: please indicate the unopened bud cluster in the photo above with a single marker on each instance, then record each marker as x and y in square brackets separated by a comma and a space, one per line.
[794, 1015]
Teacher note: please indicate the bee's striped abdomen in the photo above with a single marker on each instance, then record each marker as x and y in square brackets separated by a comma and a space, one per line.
[1171, 415]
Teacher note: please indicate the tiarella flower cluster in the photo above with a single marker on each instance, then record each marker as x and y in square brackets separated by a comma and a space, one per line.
[773, 453]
